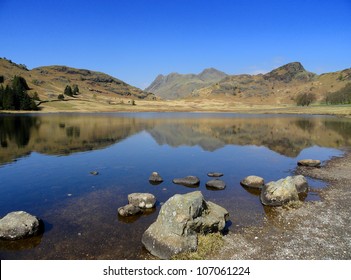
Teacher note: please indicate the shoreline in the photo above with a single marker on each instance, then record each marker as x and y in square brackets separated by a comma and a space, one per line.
[313, 230]
[195, 106]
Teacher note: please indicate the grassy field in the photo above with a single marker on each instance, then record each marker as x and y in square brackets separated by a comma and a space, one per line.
[192, 105]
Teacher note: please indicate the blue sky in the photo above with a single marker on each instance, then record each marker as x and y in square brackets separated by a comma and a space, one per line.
[135, 40]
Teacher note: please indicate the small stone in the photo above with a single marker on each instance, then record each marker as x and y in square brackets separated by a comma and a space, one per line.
[253, 181]
[142, 200]
[216, 184]
[189, 181]
[309, 162]
[155, 178]
[215, 174]
[128, 210]
[94, 173]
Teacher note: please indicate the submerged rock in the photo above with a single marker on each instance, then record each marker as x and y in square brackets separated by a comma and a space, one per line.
[129, 210]
[253, 181]
[155, 178]
[142, 200]
[309, 162]
[284, 190]
[189, 181]
[216, 184]
[18, 225]
[180, 219]
[215, 174]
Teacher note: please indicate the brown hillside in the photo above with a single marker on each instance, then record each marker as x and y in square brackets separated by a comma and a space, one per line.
[50, 81]
[280, 86]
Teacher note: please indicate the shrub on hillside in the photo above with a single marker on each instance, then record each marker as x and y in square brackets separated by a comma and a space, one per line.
[342, 96]
[305, 99]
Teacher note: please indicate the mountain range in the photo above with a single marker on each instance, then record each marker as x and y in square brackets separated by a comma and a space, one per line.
[280, 85]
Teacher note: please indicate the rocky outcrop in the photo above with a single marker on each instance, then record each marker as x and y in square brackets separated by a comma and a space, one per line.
[155, 178]
[142, 200]
[309, 162]
[188, 181]
[253, 181]
[216, 184]
[181, 218]
[18, 225]
[283, 191]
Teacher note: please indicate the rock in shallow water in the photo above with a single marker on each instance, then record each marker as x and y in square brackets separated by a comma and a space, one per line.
[18, 225]
[155, 178]
[215, 174]
[189, 181]
[180, 219]
[253, 181]
[283, 191]
[216, 184]
[129, 210]
[142, 200]
[309, 162]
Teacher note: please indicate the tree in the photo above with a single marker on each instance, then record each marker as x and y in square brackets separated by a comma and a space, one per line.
[305, 99]
[15, 97]
[75, 90]
[68, 91]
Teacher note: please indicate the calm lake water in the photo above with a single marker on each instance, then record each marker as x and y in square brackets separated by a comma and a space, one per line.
[46, 159]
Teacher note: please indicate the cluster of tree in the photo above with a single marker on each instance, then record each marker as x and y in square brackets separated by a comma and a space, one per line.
[15, 97]
[71, 91]
[342, 96]
[305, 99]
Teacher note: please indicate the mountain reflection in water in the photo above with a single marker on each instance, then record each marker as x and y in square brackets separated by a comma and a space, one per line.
[65, 134]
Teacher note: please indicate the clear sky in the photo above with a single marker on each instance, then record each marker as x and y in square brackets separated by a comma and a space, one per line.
[135, 40]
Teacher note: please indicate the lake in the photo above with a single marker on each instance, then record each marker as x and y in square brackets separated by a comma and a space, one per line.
[46, 160]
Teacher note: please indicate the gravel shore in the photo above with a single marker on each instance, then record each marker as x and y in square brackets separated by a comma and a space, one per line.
[310, 230]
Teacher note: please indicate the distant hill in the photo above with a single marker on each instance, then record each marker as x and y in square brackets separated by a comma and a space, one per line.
[49, 81]
[175, 86]
[281, 85]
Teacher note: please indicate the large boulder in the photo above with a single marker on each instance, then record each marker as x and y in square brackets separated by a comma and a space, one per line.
[309, 162]
[189, 181]
[18, 225]
[216, 184]
[283, 191]
[180, 219]
[142, 200]
[253, 181]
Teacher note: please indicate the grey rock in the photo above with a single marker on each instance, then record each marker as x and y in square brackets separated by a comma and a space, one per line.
[94, 173]
[187, 181]
[129, 210]
[216, 184]
[142, 200]
[155, 178]
[279, 192]
[180, 219]
[18, 225]
[215, 174]
[309, 162]
[253, 181]
[301, 184]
